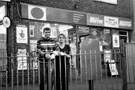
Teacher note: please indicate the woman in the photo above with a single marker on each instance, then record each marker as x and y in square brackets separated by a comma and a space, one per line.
[62, 64]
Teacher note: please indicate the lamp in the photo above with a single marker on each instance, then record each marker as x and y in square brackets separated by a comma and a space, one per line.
[76, 6]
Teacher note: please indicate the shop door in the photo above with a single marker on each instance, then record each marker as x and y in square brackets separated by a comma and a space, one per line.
[124, 36]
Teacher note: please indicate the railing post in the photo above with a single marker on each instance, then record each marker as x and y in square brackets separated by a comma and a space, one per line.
[91, 84]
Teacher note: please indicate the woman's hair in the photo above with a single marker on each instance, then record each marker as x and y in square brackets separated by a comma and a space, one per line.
[61, 35]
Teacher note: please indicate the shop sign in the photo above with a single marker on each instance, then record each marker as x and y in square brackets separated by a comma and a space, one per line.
[94, 19]
[21, 59]
[22, 34]
[66, 16]
[6, 22]
[125, 23]
[42, 13]
[116, 43]
[52, 14]
[108, 1]
[111, 21]
[79, 18]
[34, 12]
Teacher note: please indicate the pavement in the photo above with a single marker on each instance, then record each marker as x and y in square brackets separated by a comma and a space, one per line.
[106, 84]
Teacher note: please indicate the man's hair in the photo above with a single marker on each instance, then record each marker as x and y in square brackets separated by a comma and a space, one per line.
[46, 29]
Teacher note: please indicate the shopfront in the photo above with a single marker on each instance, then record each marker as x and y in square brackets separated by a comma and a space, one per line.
[3, 34]
[77, 26]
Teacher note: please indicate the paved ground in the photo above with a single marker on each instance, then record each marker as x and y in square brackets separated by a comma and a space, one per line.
[115, 84]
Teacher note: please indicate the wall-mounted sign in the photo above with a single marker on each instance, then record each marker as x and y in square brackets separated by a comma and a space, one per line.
[111, 21]
[52, 14]
[21, 59]
[35, 12]
[79, 18]
[125, 23]
[116, 42]
[108, 1]
[94, 19]
[6, 22]
[22, 34]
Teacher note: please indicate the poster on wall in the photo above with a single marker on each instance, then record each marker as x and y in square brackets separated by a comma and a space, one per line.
[54, 32]
[21, 59]
[22, 34]
[116, 43]
[107, 55]
[31, 30]
[33, 58]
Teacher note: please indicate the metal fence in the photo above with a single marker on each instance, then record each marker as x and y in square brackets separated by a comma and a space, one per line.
[91, 72]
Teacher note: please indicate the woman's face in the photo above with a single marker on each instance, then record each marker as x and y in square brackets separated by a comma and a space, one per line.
[62, 39]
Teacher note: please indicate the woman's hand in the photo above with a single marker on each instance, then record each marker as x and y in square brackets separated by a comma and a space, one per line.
[61, 53]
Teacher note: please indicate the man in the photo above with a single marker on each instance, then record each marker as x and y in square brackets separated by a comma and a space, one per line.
[45, 48]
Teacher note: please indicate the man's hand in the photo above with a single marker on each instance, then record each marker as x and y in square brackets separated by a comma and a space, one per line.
[48, 56]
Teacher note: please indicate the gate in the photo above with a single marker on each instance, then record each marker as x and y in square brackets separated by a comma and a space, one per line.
[130, 62]
[90, 73]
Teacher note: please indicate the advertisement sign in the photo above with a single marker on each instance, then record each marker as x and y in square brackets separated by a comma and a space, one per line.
[21, 59]
[22, 34]
[113, 69]
[52, 14]
[125, 23]
[66, 16]
[111, 21]
[36, 12]
[79, 18]
[108, 1]
[116, 42]
[94, 19]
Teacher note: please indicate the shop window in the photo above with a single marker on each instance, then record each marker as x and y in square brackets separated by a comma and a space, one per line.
[36, 30]
[3, 48]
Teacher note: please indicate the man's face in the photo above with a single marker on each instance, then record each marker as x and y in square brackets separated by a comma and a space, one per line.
[47, 33]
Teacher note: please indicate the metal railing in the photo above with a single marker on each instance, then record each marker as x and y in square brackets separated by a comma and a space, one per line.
[91, 72]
